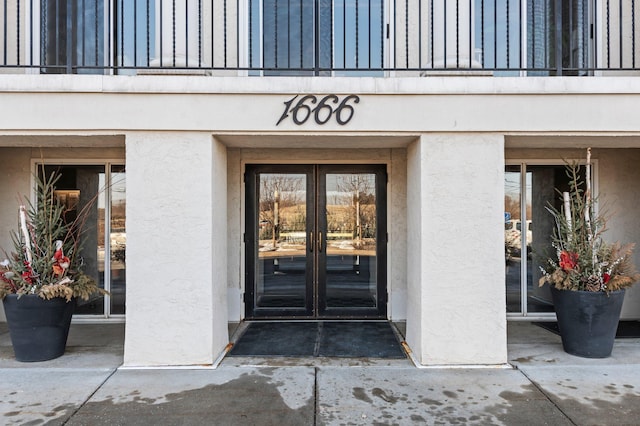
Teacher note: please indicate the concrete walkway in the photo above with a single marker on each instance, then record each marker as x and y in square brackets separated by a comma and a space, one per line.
[544, 387]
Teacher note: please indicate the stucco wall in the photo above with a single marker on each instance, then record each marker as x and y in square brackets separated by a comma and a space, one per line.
[176, 283]
[456, 292]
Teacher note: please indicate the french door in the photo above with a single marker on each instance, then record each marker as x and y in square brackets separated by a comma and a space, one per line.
[315, 241]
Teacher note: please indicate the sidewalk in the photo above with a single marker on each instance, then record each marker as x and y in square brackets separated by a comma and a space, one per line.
[546, 386]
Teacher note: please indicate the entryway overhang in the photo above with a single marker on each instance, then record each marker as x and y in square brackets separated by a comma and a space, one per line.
[315, 140]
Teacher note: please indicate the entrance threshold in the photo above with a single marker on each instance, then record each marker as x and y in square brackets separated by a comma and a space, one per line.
[318, 339]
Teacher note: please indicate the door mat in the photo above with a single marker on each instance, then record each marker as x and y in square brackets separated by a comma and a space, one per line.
[342, 339]
[626, 329]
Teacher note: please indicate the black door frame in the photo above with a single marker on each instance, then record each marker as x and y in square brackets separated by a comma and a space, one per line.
[315, 289]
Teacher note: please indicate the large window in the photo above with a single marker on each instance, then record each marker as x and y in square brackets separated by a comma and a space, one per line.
[311, 37]
[529, 190]
[557, 35]
[97, 192]
[82, 36]
[72, 35]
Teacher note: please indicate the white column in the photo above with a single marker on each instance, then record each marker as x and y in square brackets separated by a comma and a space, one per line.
[176, 249]
[453, 34]
[456, 313]
[179, 35]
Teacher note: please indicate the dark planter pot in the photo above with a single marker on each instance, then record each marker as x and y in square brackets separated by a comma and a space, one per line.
[587, 321]
[38, 327]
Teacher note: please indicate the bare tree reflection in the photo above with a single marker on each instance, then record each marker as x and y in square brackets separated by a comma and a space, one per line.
[357, 194]
[282, 205]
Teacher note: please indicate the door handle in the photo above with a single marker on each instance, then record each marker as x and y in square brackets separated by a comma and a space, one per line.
[311, 242]
[319, 242]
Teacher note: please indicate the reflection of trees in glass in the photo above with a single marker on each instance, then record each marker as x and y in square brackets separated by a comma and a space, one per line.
[512, 206]
[282, 204]
[358, 196]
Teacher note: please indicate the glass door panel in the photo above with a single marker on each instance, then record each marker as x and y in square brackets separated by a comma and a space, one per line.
[349, 217]
[282, 264]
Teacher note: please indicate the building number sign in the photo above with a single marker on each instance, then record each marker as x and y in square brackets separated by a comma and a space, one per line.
[320, 109]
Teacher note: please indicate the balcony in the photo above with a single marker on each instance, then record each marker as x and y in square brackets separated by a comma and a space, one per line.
[320, 37]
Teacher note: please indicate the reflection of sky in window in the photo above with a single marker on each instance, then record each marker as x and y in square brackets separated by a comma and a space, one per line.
[350, 34]
[89, 48]
[117, 189]
[497, 29]
[135, 21]
[512, 184]
[358, 32]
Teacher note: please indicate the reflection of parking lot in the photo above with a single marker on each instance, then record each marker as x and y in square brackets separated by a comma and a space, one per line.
[513, 236]
[118, 241]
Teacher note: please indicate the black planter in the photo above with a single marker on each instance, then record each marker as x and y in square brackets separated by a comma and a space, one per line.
[587, 320]
[38, 327]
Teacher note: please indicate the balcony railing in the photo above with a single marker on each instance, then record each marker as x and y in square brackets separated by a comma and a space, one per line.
[320, 37]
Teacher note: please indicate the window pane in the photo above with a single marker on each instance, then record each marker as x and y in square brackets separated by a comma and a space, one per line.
[528, 241]
[349, 34]
[78, 188]
[118, 240]
[358, 36]
[288, 34]
[135, 36]
[542, 43]
[512, 238]
[281, 265]
[542, 182]
[351, 261]
[82, 44]
[497, 35]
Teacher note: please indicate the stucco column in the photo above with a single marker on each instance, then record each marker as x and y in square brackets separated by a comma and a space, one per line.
[177, 34]
[176, 249]
[455, 249]
[453, 34]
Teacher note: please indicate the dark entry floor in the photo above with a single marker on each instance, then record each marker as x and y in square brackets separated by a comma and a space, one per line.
[626, 329]
[340, 339]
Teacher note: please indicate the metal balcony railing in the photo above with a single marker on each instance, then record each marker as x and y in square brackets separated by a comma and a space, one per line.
[320, 37]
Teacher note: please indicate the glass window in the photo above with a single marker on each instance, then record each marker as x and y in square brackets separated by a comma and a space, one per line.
[75, 37]
[72, 34]
[497, 35]
[312, 37]
[526, 252]
[95, 193]
[117, 191]
[134, 40]
[544, 50]
[498, 38]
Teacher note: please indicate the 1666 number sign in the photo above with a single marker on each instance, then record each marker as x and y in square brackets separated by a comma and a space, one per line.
[321, 110]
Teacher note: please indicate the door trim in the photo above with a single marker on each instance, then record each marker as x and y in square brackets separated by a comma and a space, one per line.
[315, 307]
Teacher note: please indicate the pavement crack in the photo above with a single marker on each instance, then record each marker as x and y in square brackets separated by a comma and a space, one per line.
[547, 396]
[316, 347]
[90, 396]
[315, 396]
